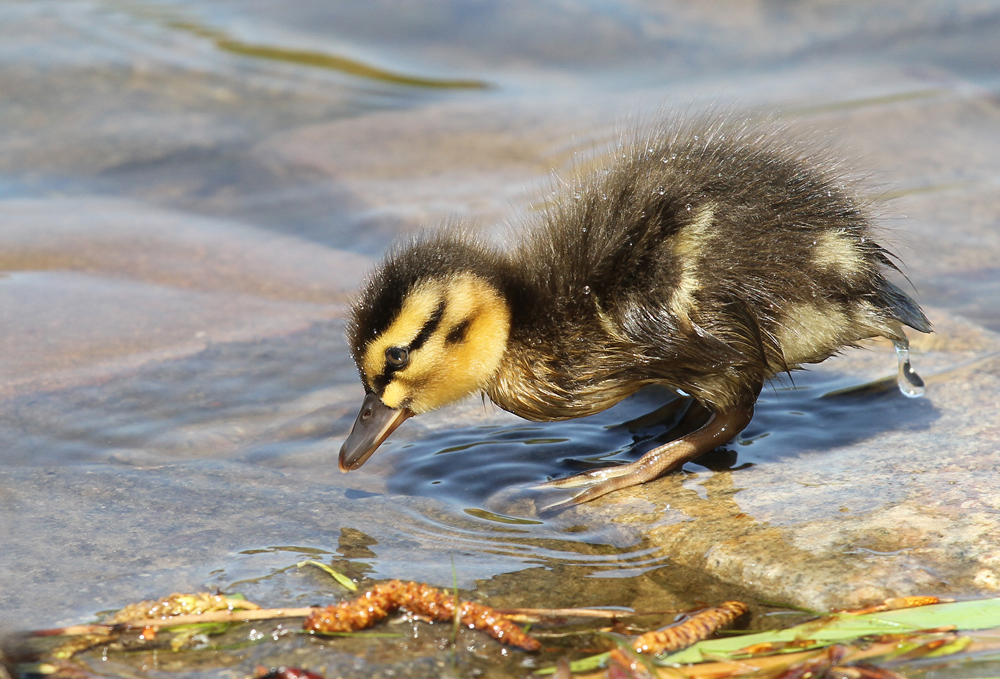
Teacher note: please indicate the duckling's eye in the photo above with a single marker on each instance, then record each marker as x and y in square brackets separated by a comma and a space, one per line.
[397, 357]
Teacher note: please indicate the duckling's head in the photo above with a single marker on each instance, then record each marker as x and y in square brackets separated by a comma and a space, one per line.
[429, 328]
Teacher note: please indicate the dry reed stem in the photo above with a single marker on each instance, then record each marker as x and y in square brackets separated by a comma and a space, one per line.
[897, 603]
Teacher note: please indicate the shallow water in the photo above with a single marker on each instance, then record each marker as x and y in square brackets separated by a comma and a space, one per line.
[190, 191]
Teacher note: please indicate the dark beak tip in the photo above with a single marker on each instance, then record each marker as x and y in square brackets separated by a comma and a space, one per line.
[345, 465]
[374, 424]
[348, 459]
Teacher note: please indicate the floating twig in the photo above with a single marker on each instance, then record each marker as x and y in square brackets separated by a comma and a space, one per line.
[561, 614]
[214, 616]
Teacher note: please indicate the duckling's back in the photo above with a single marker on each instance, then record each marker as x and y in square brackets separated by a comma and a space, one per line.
[711, 259]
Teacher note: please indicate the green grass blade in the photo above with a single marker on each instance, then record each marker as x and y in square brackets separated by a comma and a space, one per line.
[337, 575]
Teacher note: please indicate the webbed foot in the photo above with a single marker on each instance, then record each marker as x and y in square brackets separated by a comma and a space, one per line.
[721, 427]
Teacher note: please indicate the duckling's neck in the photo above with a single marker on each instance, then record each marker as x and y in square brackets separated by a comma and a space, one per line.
[561, 358]
[448, 317]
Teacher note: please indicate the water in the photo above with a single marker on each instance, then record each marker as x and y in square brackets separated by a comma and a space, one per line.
[910, 383]
[190, 192]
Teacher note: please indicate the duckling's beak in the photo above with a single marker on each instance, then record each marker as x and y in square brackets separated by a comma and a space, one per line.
[374, 424]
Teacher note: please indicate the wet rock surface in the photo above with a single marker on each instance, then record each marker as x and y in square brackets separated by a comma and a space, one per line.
[911, 509]
[181, 226]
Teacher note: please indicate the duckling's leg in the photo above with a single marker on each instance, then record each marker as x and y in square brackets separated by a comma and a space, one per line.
[720, 428]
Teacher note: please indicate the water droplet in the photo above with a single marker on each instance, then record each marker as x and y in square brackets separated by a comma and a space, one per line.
[661, 190]
[585, 229]
[908, 380]
[688, 207]
[673, 156]
[576, 196]
[696, 137]
[664, 159]
[586, 289]
[649, 150]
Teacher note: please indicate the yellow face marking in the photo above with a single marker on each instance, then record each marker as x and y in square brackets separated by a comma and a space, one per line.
[418, 306]
[688, 247]
[440, 370]
[833, 250]
[809, 333]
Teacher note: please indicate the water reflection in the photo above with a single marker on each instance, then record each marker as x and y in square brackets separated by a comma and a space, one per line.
[173, 18]
[478, 466]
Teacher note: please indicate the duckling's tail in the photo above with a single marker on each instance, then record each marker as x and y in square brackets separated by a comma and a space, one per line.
[903, 308]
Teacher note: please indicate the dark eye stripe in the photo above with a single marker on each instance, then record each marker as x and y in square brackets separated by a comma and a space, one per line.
[381, 381]
[457, 334]
[430, 326]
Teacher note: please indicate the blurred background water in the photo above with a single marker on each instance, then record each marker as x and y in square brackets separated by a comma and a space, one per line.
[190, 191]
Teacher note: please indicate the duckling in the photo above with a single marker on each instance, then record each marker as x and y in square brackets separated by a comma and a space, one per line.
[708, 259]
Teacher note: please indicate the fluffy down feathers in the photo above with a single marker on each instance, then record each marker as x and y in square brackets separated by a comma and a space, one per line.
[707, 259]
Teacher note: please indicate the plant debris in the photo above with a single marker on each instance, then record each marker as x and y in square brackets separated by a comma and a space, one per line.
[844, 628]
[176, 610]
[691, 630]
[285, 673]
[817, 666]
[190, 616]
[421, 600]
[842, 645]
[868, 643]
[897, 603]
[180, 604]
[342, 579]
